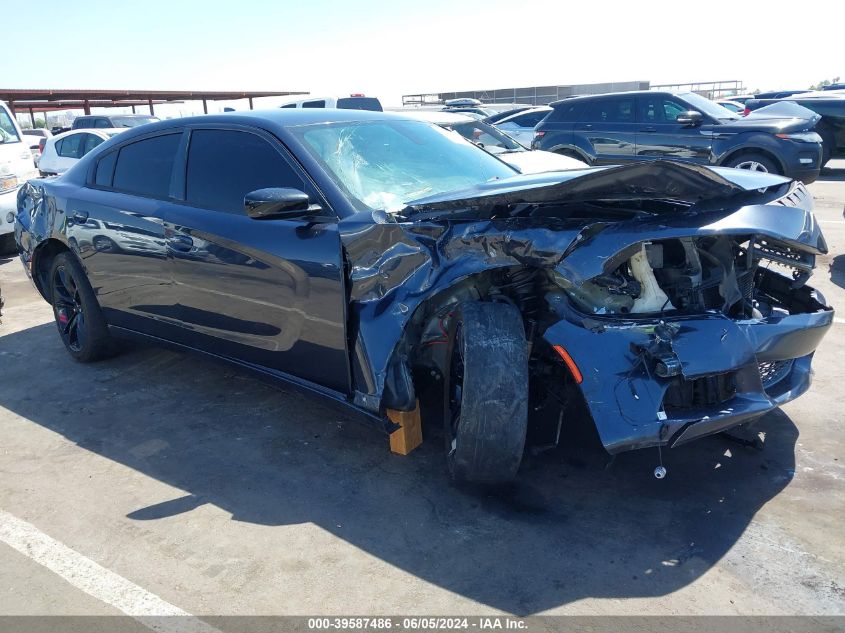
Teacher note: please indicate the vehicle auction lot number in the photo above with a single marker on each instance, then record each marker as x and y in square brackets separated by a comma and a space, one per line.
[424, 623]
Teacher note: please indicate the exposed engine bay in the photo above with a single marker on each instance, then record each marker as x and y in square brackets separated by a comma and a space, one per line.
[691, 275]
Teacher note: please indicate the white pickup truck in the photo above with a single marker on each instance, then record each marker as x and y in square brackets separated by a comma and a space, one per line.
[16, 167]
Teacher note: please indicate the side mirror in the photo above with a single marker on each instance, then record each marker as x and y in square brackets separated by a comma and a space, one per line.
[278, 203]
[690, 117]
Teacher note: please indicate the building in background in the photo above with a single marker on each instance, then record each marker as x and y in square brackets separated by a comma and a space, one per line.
[535, 95]
[542, 95]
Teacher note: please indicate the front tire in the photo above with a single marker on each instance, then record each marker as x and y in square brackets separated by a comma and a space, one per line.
[485, 392]
[79, 319]
[754, 162]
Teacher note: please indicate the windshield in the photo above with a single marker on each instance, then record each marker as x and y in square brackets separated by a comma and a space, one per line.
[486, 136]
[132, 121]
[710, 108]
[388, 164]
[8, 132]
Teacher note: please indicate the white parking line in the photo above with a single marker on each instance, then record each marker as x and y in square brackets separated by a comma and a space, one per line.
[96, 580]
[832, 221]
[839, 321]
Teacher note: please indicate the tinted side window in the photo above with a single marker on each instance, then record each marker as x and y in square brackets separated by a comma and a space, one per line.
[360, 103]
[314, 104]
[660, 109]
[566, 112]
[224, 166]
[70, 146]
[671, 109]
[619, 110]
[531, 119]
[145, 167]
[102, 123]
[82, 122]
[105, 169]
[90, 142]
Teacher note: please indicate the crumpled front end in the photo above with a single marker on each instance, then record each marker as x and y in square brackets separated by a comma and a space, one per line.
[692, 332]
[674, 297]
[665, 381]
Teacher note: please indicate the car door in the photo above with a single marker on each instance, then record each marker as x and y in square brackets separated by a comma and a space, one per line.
[661, 136]
[116, 226]
[607, 129]
[521, 126]
[266, 292]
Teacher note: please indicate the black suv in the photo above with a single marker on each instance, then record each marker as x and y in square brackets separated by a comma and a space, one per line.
[625, 127]
[112, 120]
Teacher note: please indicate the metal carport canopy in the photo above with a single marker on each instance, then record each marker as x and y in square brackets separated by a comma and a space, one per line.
[44, 100]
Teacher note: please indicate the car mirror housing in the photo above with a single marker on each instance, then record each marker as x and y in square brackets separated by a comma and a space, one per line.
[690, 117]
[278, 203]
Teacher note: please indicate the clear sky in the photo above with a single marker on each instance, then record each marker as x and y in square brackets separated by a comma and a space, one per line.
[387, 48]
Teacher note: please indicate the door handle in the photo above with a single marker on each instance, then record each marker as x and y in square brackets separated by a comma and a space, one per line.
[181, 243]
[649, 129]
[585, 126]
[80, 217]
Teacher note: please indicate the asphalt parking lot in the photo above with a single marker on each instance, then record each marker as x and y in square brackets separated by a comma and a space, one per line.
[216, 494]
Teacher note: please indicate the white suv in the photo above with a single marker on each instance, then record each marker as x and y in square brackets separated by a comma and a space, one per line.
[16, 167]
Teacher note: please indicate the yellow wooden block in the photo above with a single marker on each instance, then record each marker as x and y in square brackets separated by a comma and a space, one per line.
[409, 434]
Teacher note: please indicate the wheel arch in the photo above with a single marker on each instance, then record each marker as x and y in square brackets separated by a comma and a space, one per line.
[407, 356]
[42, 259]
[752, 149]
[567, 149]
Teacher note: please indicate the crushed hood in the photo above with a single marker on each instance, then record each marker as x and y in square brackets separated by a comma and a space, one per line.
[652, 180]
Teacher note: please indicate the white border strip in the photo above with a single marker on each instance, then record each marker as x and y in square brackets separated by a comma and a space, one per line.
[97, 581]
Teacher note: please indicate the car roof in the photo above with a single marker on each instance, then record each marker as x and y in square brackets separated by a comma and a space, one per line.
[275, 120]
[102, 132]
[439, 117]
[526, 111]
[114, 116]
[626, 93]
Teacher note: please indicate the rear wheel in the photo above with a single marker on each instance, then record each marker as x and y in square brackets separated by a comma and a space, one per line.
[754, 162]
[485, 392]
[82, 327]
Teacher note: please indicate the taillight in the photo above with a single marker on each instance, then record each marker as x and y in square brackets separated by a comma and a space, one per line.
[746, 112]
[539, 134]
[42, 142]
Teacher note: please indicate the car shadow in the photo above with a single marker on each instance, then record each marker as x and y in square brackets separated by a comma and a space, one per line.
[832, 174]
[566, 530]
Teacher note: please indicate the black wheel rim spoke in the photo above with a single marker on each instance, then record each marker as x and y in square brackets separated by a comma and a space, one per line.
[80, 332]
[70, 325]
[67, 305]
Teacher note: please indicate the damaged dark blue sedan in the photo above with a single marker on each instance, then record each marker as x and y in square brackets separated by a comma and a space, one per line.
[378, 261]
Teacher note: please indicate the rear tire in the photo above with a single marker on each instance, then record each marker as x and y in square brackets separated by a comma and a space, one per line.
[485, 413]
[754, 162]
[79, 319]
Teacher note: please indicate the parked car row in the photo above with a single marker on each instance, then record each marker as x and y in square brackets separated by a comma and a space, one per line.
[625, 127]
[495, 142]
